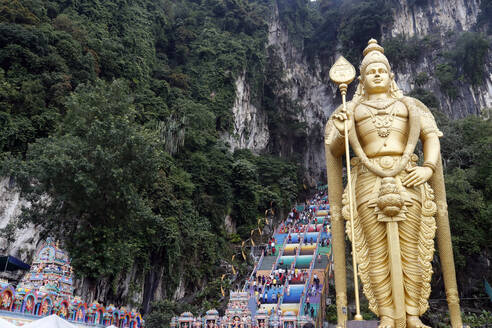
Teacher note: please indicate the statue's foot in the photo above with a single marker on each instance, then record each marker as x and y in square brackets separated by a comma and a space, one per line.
[386, 322]
[413, 321]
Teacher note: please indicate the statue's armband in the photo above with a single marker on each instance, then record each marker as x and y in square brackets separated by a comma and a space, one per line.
[428, 124]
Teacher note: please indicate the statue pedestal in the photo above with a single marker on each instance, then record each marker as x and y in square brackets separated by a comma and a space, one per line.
[362, 324]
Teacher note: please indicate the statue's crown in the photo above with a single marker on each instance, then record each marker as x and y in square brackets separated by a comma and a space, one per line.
[373, 53]
[372, 45]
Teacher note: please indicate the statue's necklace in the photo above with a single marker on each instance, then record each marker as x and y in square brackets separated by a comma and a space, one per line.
[382, 119]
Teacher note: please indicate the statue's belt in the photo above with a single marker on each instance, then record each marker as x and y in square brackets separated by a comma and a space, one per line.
[385, 163]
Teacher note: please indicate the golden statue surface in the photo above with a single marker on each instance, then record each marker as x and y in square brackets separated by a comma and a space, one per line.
[393, 205]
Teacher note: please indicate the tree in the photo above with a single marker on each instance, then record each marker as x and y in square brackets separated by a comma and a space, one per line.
[88, 183]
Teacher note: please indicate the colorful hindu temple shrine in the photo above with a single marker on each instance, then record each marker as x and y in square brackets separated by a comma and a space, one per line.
[48, 289]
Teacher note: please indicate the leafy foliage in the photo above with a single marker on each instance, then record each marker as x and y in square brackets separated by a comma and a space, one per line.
[463, 61]
[296, 17]
[425, 96]
[469, 56]
[477, 320]
[400, 49]
[362, 21]
[319, 26]
[466, 155]
[485, 16]
[446, 74]
[421, 79]
[95, 169]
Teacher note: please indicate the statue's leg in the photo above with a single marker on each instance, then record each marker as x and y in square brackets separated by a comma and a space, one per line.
[417, 249]
[378, 269]
[412, 273]
[415, 322]
[386, 322]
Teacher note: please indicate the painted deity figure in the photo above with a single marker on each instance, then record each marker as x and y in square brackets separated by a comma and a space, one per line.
[29, 304]
[236, 322]
[63, 311]
[80, 315]
[45, 307]
[394, 197]
[6, 301]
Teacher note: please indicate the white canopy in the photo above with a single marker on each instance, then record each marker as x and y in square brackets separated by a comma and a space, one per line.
[5, 324]
[112, 326]
[52, 321]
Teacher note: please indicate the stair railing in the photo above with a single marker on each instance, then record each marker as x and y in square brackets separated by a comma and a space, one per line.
[308, 281]
[280, 252]
[320, 317]
[257, 266]
[298, 251]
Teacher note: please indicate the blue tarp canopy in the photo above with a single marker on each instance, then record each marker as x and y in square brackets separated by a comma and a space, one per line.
[10, 263]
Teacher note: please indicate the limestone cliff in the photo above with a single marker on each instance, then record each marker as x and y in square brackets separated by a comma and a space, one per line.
[440, 18]
[250, 127]
[305, 86]
[19, 242]
[434, 16]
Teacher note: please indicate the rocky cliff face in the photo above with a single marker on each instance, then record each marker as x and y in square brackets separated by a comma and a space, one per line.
[434, 16]
[441, 18]
[304, 84]
[250, 126]
[20, 243]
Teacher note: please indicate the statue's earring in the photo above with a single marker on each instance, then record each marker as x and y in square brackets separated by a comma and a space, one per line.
[362, 89]
[359, 92]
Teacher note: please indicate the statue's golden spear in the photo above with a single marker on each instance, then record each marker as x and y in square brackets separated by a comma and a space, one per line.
[343, 73]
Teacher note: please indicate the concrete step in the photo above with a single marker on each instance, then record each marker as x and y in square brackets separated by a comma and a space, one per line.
[268, 262]
[321, 264]
[362, 324]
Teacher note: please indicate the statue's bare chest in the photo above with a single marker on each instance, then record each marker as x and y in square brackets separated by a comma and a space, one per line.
[382, 126]
[380, 116]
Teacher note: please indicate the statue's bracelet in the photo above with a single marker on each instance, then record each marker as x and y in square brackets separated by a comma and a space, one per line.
[430, 165]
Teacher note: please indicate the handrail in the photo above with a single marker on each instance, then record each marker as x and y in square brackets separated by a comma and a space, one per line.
[279, 299]
[298, 251]
[257, 266]
[306, 286]
[320, 316]
[308, 281]
[292, 266]
[326, 288]
[280, 252]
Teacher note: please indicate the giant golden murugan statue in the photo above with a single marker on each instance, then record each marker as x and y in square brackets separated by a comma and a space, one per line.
[397, 203]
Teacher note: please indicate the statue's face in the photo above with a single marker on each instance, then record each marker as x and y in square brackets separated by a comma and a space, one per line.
[376, 78]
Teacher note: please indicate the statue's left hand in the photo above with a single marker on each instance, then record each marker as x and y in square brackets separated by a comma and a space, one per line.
[417, 176]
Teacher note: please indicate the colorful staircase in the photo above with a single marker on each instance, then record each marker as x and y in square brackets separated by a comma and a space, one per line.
[296, 249]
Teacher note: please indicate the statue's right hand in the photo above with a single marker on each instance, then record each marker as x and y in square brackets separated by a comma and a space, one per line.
[339, 119]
